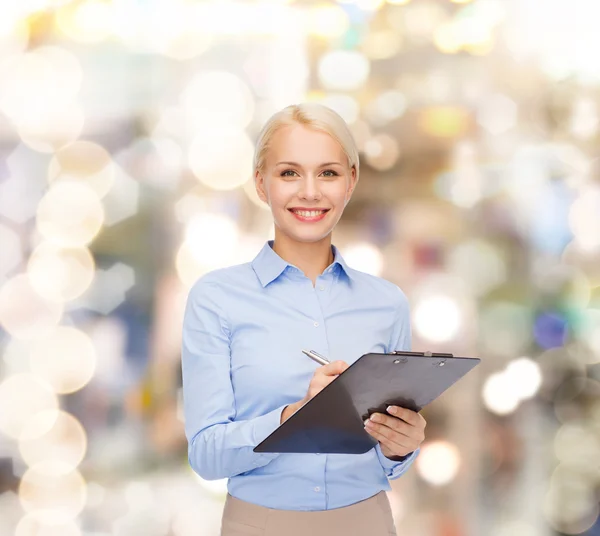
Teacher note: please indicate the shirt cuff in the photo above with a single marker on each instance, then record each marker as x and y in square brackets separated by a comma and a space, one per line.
[263, 426]
[394, 469]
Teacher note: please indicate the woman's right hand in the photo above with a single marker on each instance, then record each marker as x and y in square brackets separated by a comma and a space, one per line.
[322, 377]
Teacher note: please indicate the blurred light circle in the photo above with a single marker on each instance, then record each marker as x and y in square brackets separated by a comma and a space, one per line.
[55, 69]
[217, 100]
[437, 318]
[60, 274]
[499, 394]
[345, 105]
[46, 523]
[212, 238]
[513, 527]
[188, 267]
[589, 329]
[22, 397]
[328, 21]
[343, 70]
[14, 36]
[550, 329]
[70, 214]
[221, 159]
[479, 264]
[65, 441]
[173, 31]
[84, 161]
[570, 505]
[364, 257]
[51, 128]
[584, 219]
[497, 114]
[381, 44]
[53, 486]
[444, 121]
[382, 152]
[438, 462]
[88, 21]
[571, 399]
[11, 254]
[361, 132]
[386, 107]
[24, 314]
[577, 447]
[67, 71]
[66, 359]
[525, 377]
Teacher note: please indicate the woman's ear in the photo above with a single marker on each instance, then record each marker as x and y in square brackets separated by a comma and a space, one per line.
[259, 183]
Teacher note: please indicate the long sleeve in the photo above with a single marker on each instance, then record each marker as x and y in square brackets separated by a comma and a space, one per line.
[218, 446]
[400, 340]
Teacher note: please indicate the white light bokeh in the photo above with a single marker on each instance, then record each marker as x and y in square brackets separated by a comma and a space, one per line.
[46, 523]
[84, 161]
[64, 441]
[65, 359]
[10, 252]
[500, 396]
[54, 486]
[60, 274]
[24, 314]
[382, 152]
[584, 219]
[437, 318]
[525, 377]
[70, 214]
[22, 397]
[364, 257]
[438, 462]
[343, 70]
[221, 159]
[217, 100]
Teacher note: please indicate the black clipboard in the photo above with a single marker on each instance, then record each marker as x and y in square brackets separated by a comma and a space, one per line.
[332, 421]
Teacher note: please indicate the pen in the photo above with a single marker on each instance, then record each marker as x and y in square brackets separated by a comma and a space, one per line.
[322, 360]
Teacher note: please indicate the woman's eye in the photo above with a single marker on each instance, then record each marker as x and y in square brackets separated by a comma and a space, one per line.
[285, 173]
[333, 173]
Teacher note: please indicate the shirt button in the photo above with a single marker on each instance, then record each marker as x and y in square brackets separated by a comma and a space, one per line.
[321, 288]
[316, 324]
[317, 488]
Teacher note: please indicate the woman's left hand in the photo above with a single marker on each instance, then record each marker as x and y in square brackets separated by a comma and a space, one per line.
[398, 434]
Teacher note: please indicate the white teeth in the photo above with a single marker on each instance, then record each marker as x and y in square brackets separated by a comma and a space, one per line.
[308, 213]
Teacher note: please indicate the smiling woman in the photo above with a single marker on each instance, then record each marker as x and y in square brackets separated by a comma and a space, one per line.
[244, 329]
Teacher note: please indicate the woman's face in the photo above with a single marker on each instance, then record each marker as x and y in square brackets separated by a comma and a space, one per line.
[306, 181]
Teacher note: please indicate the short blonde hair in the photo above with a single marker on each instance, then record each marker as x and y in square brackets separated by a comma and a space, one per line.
[312, 115]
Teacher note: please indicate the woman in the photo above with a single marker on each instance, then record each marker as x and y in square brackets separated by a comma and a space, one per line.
[244, 328]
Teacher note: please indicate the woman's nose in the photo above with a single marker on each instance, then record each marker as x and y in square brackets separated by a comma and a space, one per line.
[309, 188]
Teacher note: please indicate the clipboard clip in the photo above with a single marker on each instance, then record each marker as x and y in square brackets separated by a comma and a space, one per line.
[424, 354]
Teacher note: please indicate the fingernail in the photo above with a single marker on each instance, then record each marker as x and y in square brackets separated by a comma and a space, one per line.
[391, 409]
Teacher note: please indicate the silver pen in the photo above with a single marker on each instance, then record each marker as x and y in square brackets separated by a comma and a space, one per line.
[322, 360]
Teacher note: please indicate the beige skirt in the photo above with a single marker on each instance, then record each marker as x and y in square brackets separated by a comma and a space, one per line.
[371, 517]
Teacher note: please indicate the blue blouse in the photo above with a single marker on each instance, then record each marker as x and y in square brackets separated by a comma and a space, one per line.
[244, 329]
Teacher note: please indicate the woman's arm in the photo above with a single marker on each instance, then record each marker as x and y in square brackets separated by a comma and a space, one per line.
[218, 446]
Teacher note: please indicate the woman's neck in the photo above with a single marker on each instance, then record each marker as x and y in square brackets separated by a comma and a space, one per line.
[310, 257]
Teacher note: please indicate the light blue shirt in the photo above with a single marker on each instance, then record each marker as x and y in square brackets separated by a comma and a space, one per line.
[244, 329]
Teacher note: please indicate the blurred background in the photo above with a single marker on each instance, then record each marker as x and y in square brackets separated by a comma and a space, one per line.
[127, 130]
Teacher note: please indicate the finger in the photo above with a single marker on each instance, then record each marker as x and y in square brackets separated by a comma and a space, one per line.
[398, 425]
[335, 367]
[394, 446]
[407, 415]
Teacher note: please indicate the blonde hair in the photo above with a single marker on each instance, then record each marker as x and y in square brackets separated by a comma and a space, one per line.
[312, 115]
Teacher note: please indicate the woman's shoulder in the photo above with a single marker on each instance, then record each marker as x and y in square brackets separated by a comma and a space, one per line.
[382, 287]
[223, 278]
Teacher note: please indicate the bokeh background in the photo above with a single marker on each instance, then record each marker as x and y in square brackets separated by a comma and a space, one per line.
[126, 136]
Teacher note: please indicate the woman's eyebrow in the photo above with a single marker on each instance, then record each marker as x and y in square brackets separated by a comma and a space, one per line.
[298, 165]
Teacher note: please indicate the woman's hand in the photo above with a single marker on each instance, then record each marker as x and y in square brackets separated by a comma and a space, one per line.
[398, 434]
[322, 377]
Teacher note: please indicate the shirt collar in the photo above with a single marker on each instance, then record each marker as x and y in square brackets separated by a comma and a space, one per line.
[268, 265]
